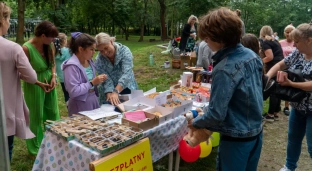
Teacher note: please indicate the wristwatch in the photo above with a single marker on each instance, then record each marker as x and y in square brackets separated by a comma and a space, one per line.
[116, 91]
[54, 74]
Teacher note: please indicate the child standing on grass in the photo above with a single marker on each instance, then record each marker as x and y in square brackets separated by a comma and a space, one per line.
[79, 74]
[62, 54]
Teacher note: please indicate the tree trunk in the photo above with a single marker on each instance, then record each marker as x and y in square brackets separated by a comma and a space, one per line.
[172, 23]
[21, 22]
[143, 21]
[148, 30]
[162, 19]
[141, 32]
[113, 28]
[127, 33]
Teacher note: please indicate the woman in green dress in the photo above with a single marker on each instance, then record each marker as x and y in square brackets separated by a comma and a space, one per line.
[41, 98]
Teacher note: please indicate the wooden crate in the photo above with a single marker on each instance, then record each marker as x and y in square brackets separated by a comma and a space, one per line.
[185, 61]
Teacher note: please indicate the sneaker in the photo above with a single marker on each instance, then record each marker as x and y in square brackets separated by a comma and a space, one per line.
[286, 111]
[276, 117]
[285, 169]
[269, 118]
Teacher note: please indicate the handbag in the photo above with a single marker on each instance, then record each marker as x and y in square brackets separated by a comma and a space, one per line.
[288, 93]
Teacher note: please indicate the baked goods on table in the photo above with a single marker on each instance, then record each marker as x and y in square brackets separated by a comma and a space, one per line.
[98, 135]
[153, 95]
[157, 114]
[172, 103]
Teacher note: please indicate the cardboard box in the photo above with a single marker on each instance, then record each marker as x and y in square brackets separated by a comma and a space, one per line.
[166, 113]
[185, 61]
[186, 105]
[154, 121]
[187, 79]
[138, 103]
[193, 59]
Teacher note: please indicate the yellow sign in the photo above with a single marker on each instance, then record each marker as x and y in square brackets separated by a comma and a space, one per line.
[136, 157]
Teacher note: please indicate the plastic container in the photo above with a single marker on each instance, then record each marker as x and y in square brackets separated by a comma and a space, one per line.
[167, 64]
[151, 59]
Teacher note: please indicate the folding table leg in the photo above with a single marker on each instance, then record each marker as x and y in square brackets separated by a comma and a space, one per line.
[177, 163]
[170, 164]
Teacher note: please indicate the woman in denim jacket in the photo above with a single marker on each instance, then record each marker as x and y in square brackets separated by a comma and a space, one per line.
[236, 101]
[300, 119]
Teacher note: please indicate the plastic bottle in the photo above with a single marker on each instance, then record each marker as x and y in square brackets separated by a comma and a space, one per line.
[151, 59]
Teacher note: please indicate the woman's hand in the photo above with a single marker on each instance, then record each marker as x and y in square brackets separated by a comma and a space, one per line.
[45, 87]
[52, 83]
[286, 82]
[99, 79]
[282, 78]
[113, 98]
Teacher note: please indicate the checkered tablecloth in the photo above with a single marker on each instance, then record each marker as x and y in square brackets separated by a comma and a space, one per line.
[57, 154]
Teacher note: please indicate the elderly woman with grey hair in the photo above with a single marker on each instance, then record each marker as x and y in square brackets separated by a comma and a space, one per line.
[116, 61]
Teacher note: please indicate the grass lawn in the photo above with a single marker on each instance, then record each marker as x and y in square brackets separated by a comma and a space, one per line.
[147, 78]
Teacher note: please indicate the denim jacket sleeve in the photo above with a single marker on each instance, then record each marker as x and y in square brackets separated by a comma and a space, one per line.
[222, 90]
[127, 65]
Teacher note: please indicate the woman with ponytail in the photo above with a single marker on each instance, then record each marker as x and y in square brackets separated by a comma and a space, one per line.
[273, 53]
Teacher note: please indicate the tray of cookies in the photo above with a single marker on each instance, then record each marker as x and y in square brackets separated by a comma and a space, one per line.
[68, 128]
[110, 138]
[182, 95]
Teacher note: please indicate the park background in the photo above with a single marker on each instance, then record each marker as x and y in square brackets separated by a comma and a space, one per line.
[143, 24]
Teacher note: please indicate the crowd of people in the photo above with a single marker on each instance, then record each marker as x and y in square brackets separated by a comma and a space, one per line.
[237, 74]
[46, 58]
[239, 61]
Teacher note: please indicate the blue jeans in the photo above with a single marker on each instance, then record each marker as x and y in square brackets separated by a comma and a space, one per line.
[238, 155]
[300, 124]
[10, 144]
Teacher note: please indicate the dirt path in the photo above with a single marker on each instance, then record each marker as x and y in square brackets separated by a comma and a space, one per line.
[274, 147]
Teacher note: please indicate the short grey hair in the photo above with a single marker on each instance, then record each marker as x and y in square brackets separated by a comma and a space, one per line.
[289, 27]
[103, 38]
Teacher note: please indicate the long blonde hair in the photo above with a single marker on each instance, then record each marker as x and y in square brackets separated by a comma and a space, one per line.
[192, 17]
[63, 38]
[266, 33]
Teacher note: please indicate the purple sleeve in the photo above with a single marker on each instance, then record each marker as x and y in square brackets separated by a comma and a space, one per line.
[73, 82]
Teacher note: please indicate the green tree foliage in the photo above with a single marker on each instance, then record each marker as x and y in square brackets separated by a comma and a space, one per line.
[276, 13]
[164, 18]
